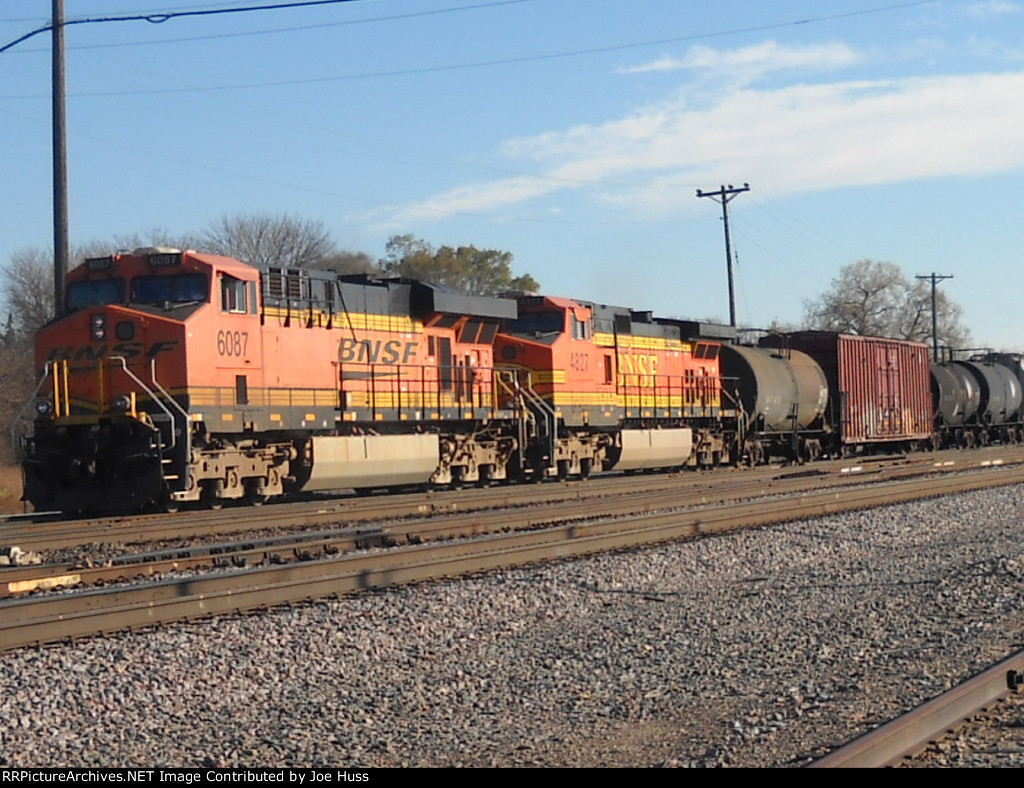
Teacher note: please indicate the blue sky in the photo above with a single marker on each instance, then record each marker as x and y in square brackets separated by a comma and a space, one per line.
[573, 134]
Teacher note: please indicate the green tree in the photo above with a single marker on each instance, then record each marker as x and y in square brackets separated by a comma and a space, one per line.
[876, 299]
[477, 271]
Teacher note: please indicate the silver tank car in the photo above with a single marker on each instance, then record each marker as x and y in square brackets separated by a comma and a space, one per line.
[1000, 391]
[978, 401]
[956, 394]
[783, 395]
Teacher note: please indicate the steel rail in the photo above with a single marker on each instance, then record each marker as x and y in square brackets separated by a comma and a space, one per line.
[41, 537]
[39, 620]
[702, 489]
[910, 733]
[253, 550]
[25, 579]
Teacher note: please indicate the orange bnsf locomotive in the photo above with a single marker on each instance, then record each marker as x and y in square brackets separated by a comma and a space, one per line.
[612, 388]
[175, 377]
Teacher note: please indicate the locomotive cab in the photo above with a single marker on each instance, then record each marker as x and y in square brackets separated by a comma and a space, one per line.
[116, 411]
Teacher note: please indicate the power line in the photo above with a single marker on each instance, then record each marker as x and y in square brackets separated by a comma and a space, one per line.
[160, 18]
[292, 29]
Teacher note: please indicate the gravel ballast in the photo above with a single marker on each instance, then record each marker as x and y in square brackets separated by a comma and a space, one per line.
[756, 648]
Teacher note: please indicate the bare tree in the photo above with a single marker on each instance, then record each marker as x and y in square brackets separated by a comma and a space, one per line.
[27, 290]
[27, 296]
[876, 299]
[17, 381]
[263, 239]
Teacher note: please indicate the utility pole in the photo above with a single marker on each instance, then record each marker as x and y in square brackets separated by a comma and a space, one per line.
[935, 279]
[724, 195]
[61, 242]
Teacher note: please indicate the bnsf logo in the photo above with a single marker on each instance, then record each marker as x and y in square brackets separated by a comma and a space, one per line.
[96, 352]
[394, 351]
[639, 370]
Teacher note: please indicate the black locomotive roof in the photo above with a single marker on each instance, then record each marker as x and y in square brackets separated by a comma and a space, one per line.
[364, 293]
[620, 320]
[432, 299]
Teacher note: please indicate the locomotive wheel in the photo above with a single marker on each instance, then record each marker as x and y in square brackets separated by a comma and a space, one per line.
[563, 470]
[168, 505]
[209, 498]
[585, 466]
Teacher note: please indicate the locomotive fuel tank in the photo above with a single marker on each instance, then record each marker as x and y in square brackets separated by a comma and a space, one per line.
[779, 390]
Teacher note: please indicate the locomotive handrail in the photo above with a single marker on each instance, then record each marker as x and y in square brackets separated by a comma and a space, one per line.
[149, 391]
[32, 398]
[392, 389]
[549, 412]
[509, 381]
[184, 413]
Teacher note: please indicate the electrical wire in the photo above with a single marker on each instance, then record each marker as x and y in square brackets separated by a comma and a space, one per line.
[158, 19]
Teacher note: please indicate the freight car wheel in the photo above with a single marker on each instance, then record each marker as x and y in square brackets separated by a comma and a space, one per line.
[253, 496]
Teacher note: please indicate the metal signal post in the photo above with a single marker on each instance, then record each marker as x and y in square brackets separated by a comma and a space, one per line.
[723, 196]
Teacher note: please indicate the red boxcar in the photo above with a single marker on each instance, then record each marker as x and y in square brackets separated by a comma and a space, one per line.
[879, 389]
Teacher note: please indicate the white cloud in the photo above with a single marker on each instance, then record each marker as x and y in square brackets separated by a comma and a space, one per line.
[793, 139]
[753, 61]
[991, 9]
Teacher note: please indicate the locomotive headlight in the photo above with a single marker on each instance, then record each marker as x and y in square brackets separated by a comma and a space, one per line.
[122, 403]
[44, 407]
[99, 327]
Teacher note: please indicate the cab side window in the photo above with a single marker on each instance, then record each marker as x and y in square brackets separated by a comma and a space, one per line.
[580, 328]
[232, 295]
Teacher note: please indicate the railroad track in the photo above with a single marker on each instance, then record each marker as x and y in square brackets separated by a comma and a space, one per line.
[48, 618]
[50, 534]
[421, 523]
[896, 741]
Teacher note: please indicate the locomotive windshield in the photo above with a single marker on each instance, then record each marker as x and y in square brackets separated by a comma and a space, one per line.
[538, 323]
[174, 289]
[95, 293]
